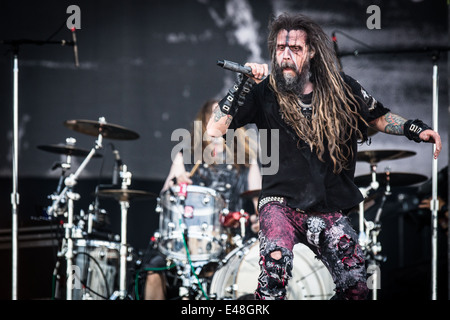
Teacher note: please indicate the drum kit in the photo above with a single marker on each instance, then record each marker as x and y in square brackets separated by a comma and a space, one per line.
[198, 235]
[94, 265]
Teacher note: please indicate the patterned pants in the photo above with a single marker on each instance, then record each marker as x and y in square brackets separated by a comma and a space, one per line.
[329, 235]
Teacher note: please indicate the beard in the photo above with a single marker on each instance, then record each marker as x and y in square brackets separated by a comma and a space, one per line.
[287, 83]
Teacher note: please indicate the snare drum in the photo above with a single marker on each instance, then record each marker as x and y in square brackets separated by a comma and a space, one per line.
[198, 216]
[237, 278]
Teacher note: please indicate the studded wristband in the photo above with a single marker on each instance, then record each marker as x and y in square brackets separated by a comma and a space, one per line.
[235, 96]
[413, 128]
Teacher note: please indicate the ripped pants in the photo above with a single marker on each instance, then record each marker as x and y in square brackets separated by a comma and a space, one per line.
[329, 235]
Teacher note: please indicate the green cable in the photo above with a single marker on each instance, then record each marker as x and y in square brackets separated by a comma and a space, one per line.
[192, 267]
[53, 286]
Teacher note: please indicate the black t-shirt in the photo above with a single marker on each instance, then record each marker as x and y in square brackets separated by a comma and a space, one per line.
[306, 182]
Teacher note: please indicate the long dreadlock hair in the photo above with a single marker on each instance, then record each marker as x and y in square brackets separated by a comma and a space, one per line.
[335, 117]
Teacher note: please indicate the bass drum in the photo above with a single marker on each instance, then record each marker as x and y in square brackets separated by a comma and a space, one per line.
[238, 277]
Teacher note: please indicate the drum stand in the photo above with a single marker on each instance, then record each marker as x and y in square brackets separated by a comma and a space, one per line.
[124, 205]
[123, 196]
[363, 239]
[368, 238]
[67, 193]
[373, 247]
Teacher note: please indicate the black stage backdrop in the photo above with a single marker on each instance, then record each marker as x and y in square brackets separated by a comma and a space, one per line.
[149, 65]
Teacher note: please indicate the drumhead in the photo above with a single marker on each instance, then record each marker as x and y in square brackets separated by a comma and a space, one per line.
[238, 277]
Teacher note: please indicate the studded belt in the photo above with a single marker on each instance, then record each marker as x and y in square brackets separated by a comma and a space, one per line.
[266, 200]
[281, 200]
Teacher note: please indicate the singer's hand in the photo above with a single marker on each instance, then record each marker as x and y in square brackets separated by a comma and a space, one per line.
[433, 137]
[260, 71]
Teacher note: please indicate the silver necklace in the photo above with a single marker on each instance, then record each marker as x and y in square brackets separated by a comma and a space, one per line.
[306, 109]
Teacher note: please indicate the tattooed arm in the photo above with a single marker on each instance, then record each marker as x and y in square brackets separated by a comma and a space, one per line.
[389, 123]
[394, 124]
[218, 123]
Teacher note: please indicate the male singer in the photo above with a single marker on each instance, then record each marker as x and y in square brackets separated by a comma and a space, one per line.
[321, 115]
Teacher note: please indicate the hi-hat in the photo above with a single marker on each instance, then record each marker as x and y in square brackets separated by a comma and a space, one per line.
[396, 179]
[375, 156]
[250, 193]
[67, 150]
[107, 130]
[126, 194]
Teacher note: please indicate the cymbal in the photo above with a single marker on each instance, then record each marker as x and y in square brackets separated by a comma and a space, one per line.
[250, 193]
[108, 130]
[126, 194]
[396, 179]
[375, 156]
[67, 150]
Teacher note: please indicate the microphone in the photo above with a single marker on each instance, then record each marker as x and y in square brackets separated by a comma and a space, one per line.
[336, 49]
[117, 166]
[75, 47]
[236, 67]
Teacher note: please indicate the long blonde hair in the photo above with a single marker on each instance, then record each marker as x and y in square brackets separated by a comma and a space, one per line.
[335, 109]
[241, 139]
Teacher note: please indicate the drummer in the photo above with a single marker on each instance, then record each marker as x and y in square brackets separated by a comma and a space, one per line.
[228, 179]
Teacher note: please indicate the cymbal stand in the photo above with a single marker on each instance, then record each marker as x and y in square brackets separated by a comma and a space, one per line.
[69, 242]
[373, 229]
[66, 166]
[124, 205]
[363, 239]
[70, 182]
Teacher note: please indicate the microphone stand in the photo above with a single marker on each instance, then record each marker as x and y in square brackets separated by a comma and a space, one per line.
[15, 196]
[434, 204]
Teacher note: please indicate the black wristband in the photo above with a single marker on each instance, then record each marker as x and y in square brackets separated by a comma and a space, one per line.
[413, 128]
[246, 87]
[229, 104]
